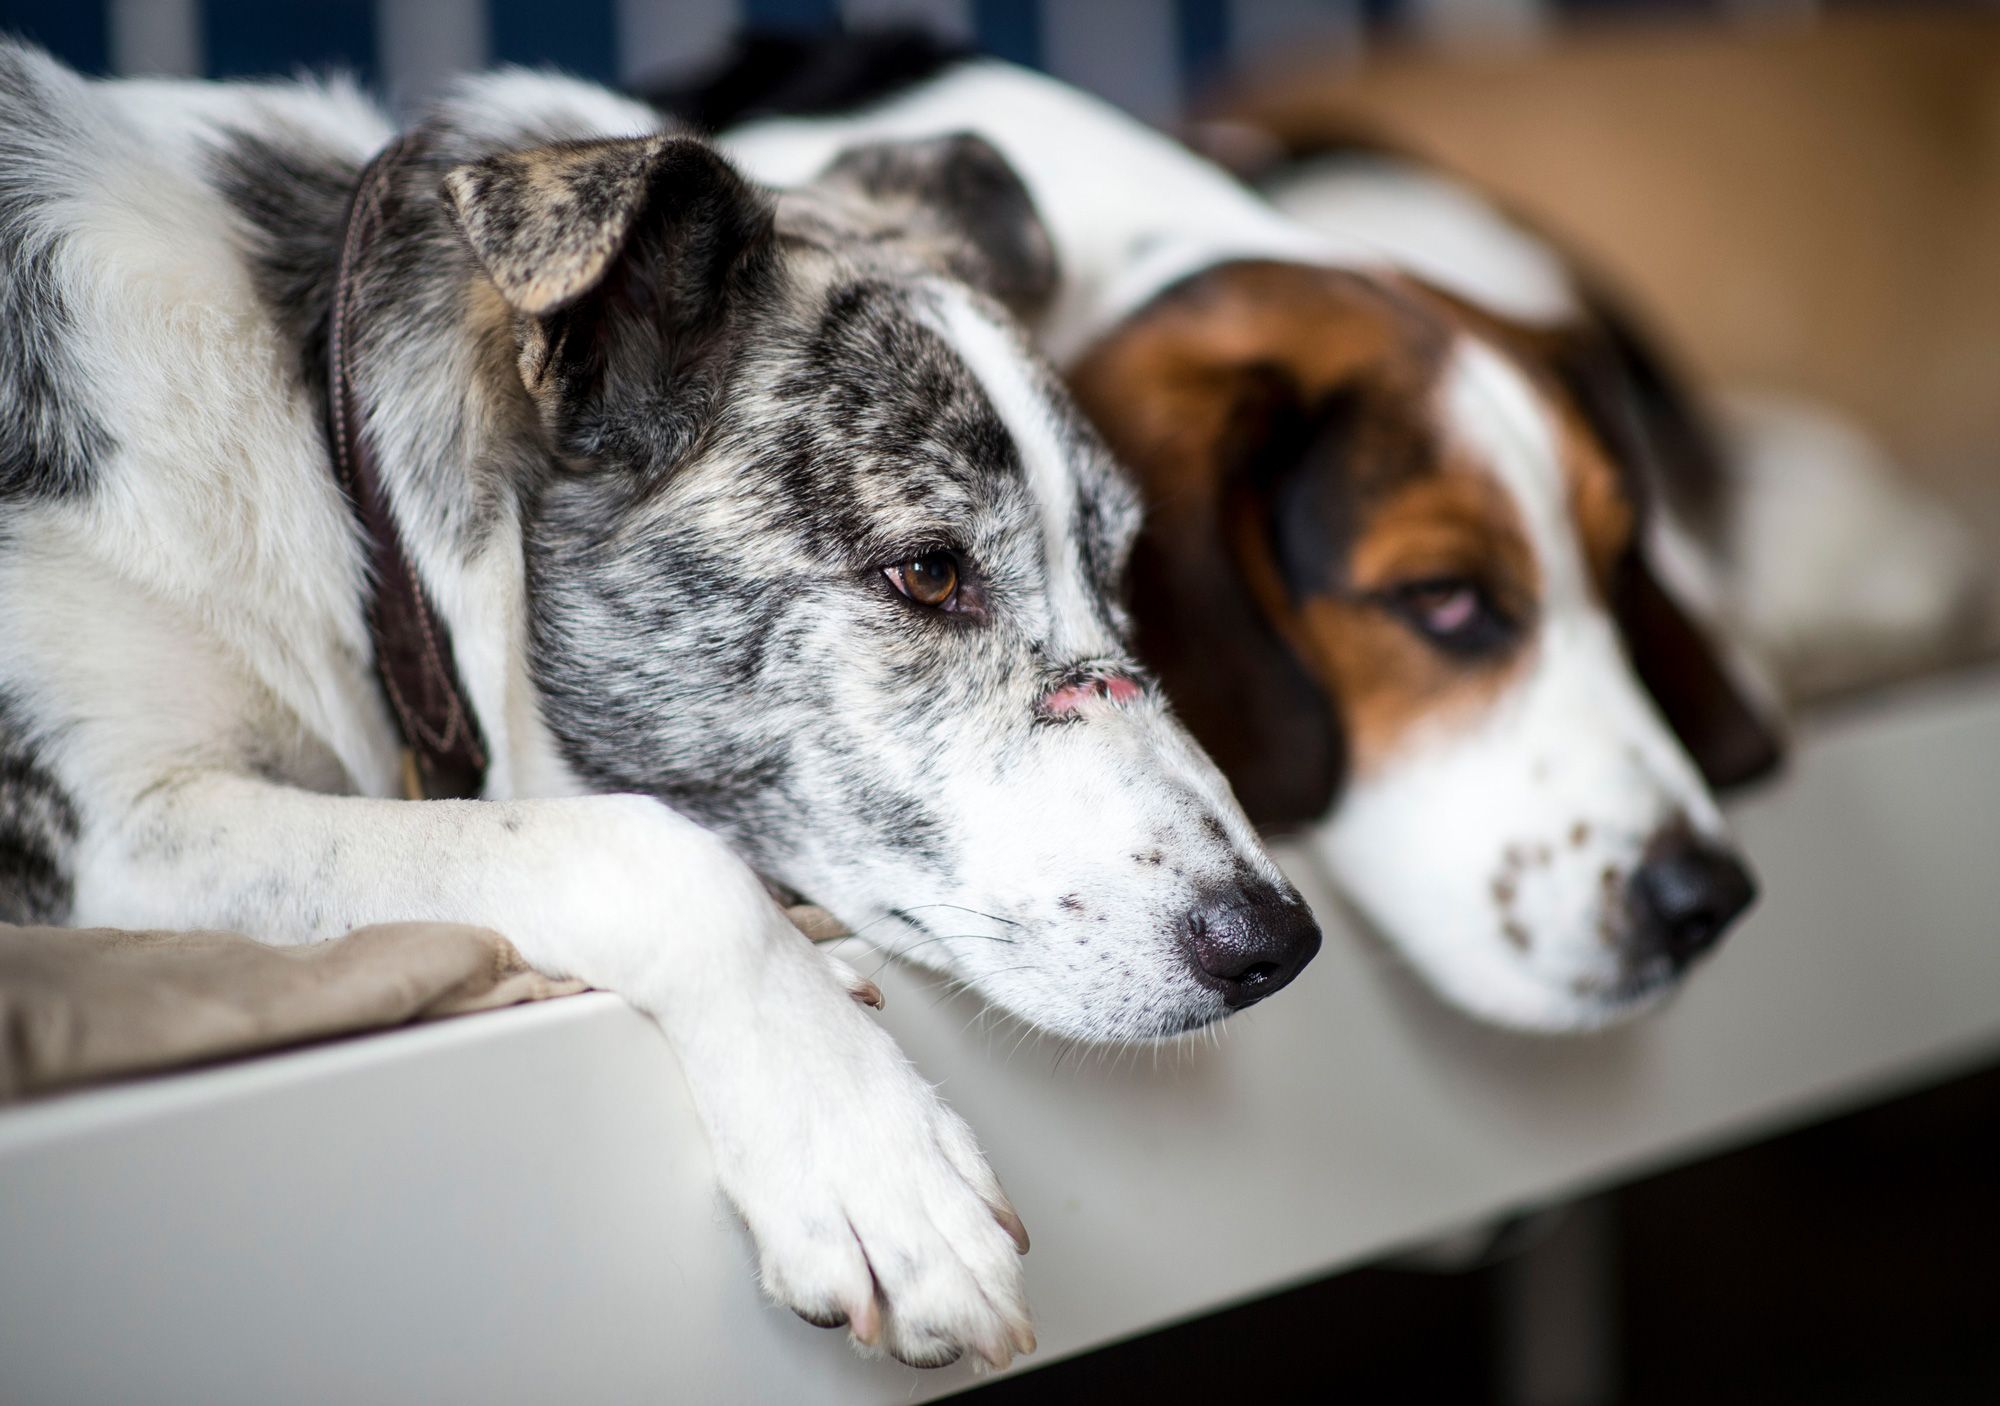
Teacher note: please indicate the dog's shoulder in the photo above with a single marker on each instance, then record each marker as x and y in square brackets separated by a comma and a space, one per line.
[131, 208]
[162, 474]
[49, 444]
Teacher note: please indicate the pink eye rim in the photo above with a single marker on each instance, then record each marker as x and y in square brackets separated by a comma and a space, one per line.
[1456, 615]
[1449, 611]
[1114, 686]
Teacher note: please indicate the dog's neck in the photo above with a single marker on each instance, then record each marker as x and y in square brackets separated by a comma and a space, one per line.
[444, 751]
[456, 443]
[432, 359]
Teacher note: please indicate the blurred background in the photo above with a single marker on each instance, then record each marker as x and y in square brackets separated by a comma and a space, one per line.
[1805, 196]
[1149, 55]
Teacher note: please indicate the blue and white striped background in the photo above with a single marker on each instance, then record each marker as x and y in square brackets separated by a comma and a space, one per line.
[1146, 54]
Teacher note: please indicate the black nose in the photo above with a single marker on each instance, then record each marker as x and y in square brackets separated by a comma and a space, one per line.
[1684, 897]
[1249, 941]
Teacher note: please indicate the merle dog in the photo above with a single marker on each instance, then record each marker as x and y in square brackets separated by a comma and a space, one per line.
[763, 546]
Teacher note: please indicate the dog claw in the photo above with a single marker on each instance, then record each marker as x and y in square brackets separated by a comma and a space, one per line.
[864, 1322]
[864, 991]
[1010, 1221]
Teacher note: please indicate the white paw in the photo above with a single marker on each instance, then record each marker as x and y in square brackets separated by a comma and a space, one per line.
[868, 1199]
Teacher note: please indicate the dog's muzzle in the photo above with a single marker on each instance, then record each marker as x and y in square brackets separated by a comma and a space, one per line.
[1248, 942]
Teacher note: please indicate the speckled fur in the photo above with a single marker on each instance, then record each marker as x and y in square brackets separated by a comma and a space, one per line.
[650, 434]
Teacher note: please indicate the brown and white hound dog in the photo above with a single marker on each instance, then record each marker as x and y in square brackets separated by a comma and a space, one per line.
[1394, 579]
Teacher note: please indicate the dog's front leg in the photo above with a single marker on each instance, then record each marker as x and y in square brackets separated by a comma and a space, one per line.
[869, 1200]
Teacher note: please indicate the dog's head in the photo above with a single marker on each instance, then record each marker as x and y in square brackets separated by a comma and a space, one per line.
[831, 564]
[1393, 581]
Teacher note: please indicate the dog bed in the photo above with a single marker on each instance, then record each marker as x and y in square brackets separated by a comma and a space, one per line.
[80, 1006]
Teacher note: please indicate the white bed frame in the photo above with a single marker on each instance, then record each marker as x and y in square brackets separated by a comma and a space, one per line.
[515, 1207]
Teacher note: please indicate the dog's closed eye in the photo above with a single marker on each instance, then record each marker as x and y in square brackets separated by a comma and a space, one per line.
[1454, 614]
[931, 579]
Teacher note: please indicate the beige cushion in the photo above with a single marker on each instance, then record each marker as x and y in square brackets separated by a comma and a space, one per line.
[79, 1005]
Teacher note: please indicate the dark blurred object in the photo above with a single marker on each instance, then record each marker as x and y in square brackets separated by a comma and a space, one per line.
[1848, 1263]
[1852, 1262]
[778, 72]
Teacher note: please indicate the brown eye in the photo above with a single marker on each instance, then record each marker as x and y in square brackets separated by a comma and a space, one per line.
[931, 579]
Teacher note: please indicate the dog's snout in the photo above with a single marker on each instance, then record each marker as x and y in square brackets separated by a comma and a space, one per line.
[1684, 897]
[1249, 942]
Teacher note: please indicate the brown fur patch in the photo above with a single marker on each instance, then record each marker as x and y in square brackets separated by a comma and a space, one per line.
[1387, 679]
[1602, 512]
[1604, 490]
[1458, 523]
[1189, 392]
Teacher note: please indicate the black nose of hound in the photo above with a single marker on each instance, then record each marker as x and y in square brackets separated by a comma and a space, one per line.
[1248, 942]
[1684, 897]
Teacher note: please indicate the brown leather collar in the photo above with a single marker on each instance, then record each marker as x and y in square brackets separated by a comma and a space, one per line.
[443, 752]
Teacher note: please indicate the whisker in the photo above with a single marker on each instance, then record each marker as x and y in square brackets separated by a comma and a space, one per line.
[949, 937]
[1026, 1031]
[959, 907]
[896, 953]
[1024, 967]
[901, 915]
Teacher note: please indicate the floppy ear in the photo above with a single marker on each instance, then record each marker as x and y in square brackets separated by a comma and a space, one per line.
[1642, 410]
[1727, 737]
[1233, 675]
[1198, 433]
[1653, 427]
[624, 262]
[958, 195]
[546, 223]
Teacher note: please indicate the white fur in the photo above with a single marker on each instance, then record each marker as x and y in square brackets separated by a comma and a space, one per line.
[198, 616]
[1129, 209]
[1001, 366]
[1431, 227]
[1474, 824]
[843, 1162]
